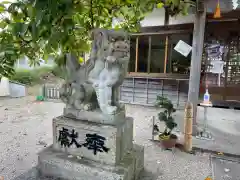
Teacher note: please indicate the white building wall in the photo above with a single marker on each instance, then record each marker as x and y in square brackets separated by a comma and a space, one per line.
[24, 64]
[156, 18]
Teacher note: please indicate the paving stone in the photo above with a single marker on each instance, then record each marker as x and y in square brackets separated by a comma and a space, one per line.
[225, 168]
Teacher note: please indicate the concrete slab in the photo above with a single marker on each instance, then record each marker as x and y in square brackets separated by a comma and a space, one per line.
[225, 168]
[57, 165]
[223, 124]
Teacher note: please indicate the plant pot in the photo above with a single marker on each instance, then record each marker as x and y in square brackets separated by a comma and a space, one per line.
[169, 142]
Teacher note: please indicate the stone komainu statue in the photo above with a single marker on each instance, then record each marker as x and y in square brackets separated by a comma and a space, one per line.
[96, 83]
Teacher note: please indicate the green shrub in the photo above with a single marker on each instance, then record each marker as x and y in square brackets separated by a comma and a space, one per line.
[58, 72]
[30, 76]
[35, 76]
[166, 115]
[41, 71]
[24, 76]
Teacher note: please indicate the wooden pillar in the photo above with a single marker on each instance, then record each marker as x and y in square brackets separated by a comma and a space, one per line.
[195, 70]
[227, 58]
[166, 55]
[188, 127]
[136, 60]
[170, 50]
[149, 54]
[166, 23]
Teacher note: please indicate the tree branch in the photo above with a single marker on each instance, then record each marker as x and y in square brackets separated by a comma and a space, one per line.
[91, 14]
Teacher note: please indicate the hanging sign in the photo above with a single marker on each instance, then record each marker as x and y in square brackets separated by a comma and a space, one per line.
[215, 52]
[183, 48]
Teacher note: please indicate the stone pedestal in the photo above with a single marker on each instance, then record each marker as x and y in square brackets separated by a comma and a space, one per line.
[95, 116]
[85, 150]
[118, 138]
[96, 144]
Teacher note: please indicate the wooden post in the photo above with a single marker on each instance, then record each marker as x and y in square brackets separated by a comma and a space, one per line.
[149, 54]
[166, 55]
[188, 120]
[166, 23]
[227, 58]
[170, 56]
[136, 60]
[195, 71]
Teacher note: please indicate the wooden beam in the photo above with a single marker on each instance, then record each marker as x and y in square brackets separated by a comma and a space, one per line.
[149, 53]
[223, 26]
[187, 26]
[222, 20]
[195, 70]
[226, 58]
[180, 77]
[166, 55]
[170, 57]
[163, 32]
[136, 60]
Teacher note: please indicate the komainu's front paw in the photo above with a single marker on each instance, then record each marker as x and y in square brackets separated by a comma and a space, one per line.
[111, 109]
[95, 85]
[111, 59]
[88, 107]
[109, 85]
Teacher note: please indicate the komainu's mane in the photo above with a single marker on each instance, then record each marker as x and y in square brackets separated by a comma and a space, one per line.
[100, 39]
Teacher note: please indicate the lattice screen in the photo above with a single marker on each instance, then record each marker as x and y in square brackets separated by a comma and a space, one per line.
[232, 60]
[233, 63]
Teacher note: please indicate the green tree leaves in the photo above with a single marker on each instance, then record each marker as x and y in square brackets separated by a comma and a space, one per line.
[176, 7]
[42, 28]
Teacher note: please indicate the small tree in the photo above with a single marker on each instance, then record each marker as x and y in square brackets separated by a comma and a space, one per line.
[166, 115]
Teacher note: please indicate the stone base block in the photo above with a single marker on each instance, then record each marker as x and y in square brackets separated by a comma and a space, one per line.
[138, 152]
[59, 165]
[95, 116]
[117, 139]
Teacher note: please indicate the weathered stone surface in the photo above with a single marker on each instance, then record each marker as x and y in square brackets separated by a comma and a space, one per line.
[127, 137]
[118, 138]
[95, 84]
[59, 165]
[95, 116]
[32, 174]
[138, 152]
[93, 138]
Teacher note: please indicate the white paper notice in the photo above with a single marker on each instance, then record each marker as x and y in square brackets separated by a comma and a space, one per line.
[183, 48]
[217, 67]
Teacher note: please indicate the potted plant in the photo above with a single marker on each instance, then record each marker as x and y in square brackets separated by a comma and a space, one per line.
[168, 140]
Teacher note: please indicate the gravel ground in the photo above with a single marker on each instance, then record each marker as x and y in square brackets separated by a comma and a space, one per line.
[26, 128]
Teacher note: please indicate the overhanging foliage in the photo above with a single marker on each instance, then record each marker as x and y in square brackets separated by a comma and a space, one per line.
[39, 28]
